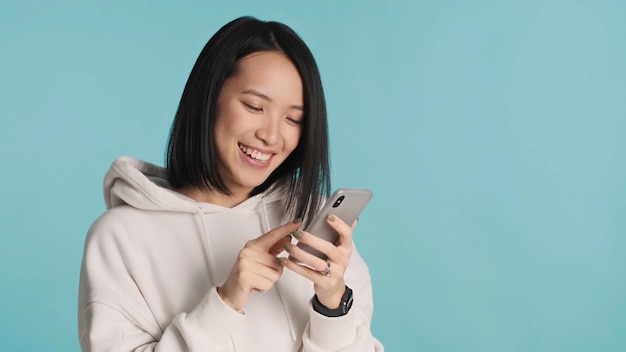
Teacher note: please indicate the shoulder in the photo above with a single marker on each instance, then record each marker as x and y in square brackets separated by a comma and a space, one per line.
[115, 225]
[116, 218]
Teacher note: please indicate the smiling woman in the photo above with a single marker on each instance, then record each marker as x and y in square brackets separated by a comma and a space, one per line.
[196, 256]
[260, 49]
[258, 121]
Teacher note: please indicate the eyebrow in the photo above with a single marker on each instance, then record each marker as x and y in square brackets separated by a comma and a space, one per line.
[266, 98]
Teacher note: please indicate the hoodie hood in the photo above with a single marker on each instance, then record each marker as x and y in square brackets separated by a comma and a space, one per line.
[143, 185]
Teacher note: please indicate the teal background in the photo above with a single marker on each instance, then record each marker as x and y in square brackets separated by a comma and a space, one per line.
[491, 132]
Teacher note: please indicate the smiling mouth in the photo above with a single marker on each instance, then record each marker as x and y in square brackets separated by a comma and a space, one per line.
[255, 154]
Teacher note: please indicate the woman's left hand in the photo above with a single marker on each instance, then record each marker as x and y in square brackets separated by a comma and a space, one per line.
[329, 288]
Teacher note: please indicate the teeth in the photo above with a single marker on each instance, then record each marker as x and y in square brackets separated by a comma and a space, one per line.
[255, 154]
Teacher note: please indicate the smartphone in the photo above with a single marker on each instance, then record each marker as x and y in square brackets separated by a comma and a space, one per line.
[347, 204]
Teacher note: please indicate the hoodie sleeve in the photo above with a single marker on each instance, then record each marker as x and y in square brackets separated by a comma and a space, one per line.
[351, 332]
[113, 314]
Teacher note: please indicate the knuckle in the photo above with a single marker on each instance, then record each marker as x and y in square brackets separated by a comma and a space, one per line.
[244, 253]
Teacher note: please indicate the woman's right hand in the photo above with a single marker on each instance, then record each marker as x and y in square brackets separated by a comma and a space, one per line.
[257, 268]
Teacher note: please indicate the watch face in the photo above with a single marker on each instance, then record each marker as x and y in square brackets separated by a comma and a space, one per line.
[347, 300]
[349, 305]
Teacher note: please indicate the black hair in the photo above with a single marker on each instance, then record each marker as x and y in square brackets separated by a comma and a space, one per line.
[191, 154]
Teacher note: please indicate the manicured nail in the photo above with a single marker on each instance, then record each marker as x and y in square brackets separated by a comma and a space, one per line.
[297, 234]
[297, 221]
[283, 261]
[287, 246]
[331, 217]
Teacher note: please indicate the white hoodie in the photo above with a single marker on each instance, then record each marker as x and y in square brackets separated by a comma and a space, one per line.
[152, 263]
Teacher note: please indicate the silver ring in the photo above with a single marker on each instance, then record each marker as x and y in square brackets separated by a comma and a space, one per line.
[326, 271]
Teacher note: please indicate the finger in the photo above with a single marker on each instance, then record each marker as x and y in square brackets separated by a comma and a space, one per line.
[280, 245]
[356, 221]
[260, 275]
[305, 257]
[312, 246]
[248, 275]
[250, 257]
[344, 231]
[268, 240]
[302, 270]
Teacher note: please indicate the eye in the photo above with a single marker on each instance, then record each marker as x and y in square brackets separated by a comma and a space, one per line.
[293, 121]
[252, 107]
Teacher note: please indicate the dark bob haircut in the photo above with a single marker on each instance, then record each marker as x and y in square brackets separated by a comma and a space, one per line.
[192, 155]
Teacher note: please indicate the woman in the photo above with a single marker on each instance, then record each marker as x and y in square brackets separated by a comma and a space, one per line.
[194, 257]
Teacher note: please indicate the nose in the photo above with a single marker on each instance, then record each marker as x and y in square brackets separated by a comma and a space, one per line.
[268, 131]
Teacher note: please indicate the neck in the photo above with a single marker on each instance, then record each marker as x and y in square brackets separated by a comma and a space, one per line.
[227, 201]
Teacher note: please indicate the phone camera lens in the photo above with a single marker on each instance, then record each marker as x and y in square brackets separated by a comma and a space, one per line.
[338, 201]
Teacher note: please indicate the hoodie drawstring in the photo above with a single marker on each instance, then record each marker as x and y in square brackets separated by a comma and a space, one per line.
[208, 250]
[278, 285]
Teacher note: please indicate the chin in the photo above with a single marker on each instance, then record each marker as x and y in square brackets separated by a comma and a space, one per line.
[252, 184]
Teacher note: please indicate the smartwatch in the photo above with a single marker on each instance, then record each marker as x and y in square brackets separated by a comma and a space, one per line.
[343, 309]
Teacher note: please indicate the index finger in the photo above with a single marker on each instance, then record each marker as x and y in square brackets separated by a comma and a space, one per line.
[267, 240]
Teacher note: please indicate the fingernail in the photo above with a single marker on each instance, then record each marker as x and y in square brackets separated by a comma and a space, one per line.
[331, 217]
[283, 261]
[297, 221]
[287, 246]
[297, 234]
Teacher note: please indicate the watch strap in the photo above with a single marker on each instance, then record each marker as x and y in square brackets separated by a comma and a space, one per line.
[343, 309]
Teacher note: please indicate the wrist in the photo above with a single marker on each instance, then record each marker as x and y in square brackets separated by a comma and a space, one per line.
[220, 292]
[332, 301]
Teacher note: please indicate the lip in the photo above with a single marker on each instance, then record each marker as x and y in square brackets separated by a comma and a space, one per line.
[253, 162]
[264, 151]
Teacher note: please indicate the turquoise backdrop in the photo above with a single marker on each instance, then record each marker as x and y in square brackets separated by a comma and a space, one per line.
[491, 132]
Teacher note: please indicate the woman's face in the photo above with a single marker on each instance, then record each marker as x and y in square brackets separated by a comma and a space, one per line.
[258, 123]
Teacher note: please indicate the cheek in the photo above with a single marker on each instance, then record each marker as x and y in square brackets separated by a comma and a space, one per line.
[293, 139]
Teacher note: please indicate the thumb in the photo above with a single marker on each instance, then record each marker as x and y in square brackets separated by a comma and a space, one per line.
[356, 221]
